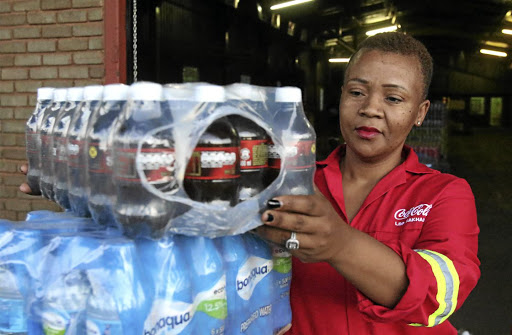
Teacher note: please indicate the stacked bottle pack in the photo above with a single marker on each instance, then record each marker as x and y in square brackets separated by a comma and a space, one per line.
[193, 159]
[62, 274]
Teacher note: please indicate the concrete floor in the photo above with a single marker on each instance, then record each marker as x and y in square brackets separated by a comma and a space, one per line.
[484, 159]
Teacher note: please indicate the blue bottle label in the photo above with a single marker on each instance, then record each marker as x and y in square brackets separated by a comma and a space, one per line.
[168, 317]
[250, 274]
[213, 302]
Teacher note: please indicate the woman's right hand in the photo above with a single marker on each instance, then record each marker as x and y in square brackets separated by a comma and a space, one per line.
[24, 187]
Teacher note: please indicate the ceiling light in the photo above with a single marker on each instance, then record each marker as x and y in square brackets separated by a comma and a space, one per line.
[381, 30]
[507, 31]
[288, 4]
[339, 60]
[508, 16]
[496, 44]
[493, 52]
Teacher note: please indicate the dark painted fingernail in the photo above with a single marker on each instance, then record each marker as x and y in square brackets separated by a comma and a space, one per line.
[273, 203]
[270, 217]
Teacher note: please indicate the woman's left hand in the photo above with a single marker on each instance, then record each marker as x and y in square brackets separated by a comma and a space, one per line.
[319, 229]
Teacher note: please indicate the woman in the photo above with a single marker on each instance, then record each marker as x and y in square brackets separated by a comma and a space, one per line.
[386, 245]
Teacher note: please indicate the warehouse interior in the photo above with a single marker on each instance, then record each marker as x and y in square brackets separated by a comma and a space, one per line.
[226, 41]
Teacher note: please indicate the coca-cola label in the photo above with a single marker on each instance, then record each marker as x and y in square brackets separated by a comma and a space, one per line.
[46, 151]
[156, 163]
[253, 154]
[32, 143]
[75, 149]
[99, 160]
[209, 163]
[301, 155]
[414, 214]
[60, 149]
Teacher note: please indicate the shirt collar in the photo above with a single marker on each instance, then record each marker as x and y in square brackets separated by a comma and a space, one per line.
[411, 163]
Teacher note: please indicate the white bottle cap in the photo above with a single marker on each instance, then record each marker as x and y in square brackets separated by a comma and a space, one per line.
[209, 93]
[146, 91]
[115, 92]
[75, 93]
[288, 94]
[93, 92]
[258, 94]
[45, 93]
[178, 92]
[60, 94]
[239, 91]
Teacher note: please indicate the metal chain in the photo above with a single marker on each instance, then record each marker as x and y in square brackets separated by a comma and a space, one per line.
[134, 27]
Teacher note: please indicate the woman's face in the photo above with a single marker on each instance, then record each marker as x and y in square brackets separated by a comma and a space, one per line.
[381, 100]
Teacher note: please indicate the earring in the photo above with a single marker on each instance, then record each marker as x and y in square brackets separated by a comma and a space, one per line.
[419, 122]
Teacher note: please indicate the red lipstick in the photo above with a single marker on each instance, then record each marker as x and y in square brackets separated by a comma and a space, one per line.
[367, 133]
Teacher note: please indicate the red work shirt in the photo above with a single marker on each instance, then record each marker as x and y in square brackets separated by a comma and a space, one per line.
[429, 219]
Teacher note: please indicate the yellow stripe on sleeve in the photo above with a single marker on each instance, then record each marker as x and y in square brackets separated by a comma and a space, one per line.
[448, 283]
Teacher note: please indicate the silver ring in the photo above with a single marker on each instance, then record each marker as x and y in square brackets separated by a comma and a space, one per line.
[292, 243]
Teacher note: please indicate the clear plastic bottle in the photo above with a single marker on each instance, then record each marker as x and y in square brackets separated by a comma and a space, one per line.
[258, 283]
[282, 276]
[101, 314]
[77, 155]
[299, 144]
[33, 139]
[138, 210]
[173, 306]
[66, 286]
[253, 139]
[99, 161]
[47, 146]
[18, 256]
[213, 170]
[240, 314]
[60, 132]
[209, 284]
[118, 298]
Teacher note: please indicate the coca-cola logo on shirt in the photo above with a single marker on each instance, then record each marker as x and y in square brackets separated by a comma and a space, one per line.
[414, 214]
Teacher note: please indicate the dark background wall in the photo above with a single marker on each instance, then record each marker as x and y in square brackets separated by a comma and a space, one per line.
[227, 45]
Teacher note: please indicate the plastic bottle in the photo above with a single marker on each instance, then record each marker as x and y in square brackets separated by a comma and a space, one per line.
[117, 297]
[77, 155]
[299, 144]
[253, 139]
[282, 276]
[209, 284]
[33, 139]
[240, 314]
[47, 147]
[60, 132]
[173, 306]
[18, 256]
[66, 286]
[138, 210]
[99, 162]
[257, 279]
[213, 170]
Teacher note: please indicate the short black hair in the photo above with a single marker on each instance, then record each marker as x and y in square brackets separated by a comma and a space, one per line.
[401, 44]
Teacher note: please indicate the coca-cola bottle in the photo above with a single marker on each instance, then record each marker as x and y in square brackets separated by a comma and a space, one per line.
[213, 170]
[253, 139]
[47, 147]
[60, 132]
[99, 162]
[144, 158]
[298, 138]
[77, 155]
[33, 139]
